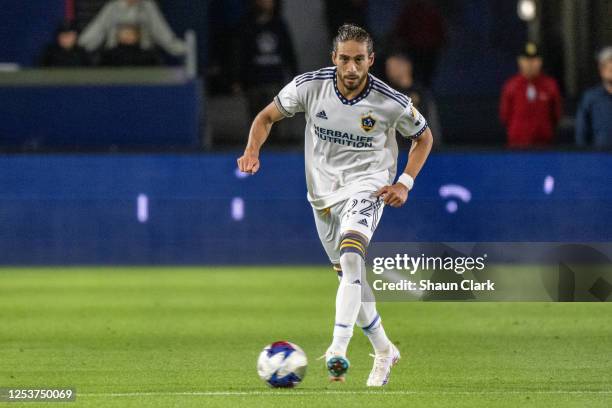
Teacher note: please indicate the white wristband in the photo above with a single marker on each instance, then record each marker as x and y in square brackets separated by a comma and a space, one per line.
[407, 180]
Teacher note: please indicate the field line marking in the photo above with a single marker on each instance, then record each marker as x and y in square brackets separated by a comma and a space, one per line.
[338, 392]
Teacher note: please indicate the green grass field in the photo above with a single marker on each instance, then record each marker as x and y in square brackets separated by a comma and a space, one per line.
[189, 337]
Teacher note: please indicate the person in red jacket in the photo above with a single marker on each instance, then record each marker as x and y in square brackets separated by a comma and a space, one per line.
[530, 106]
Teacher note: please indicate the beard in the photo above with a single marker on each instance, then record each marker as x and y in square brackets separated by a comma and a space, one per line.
[355, 84]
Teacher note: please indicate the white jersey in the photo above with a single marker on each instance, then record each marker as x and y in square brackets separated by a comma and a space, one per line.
[350, 145]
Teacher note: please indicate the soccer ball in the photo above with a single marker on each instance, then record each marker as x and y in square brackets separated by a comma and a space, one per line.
[282, 364]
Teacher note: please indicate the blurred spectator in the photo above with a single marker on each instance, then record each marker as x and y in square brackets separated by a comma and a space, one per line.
[399, 73]
[420, 31]
[265, 54]
[128, 53]
[144, 13]
[338, 12]
[224, 16]
[594, 117]
[65, 52]
[530, 105]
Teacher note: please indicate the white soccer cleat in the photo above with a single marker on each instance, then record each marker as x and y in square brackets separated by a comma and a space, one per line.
[337, 365]
[381, 370]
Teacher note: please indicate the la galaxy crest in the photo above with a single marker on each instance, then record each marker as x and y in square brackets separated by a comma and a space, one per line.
[368, 122]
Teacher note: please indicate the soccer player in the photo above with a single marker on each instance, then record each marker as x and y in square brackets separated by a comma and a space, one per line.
[351, 160]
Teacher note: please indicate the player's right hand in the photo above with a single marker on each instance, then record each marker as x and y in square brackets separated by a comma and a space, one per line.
[248, 163]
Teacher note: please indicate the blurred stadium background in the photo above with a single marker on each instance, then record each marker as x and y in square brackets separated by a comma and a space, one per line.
[136, 165]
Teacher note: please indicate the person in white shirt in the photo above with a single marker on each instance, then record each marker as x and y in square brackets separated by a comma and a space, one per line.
[154, 30]
[351, 159]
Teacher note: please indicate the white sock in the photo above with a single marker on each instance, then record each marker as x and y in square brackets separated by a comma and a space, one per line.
[377, 336]
[369, 320]
[348, 301]
[367, 316]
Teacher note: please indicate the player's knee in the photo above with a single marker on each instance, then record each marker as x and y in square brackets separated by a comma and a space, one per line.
[351, 267]
[353, 242]
[352, 254]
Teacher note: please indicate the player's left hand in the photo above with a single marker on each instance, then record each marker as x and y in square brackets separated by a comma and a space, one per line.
[395, 195]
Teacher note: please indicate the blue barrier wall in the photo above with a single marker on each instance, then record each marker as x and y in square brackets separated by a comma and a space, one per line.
[99, 116]
[195, 209]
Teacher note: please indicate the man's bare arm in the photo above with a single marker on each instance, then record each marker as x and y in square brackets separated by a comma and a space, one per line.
[419, 152]
[260, 129]
[397, 194]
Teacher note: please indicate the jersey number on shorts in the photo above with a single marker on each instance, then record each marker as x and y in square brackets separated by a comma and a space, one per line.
[364, 211]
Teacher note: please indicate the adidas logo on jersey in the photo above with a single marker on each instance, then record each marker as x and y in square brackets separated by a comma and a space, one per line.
[322, 115]
[363, 222]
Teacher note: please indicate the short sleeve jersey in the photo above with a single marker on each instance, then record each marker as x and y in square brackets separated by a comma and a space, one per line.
[350, 145]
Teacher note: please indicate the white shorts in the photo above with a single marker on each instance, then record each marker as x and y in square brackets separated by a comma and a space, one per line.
[360, 213]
